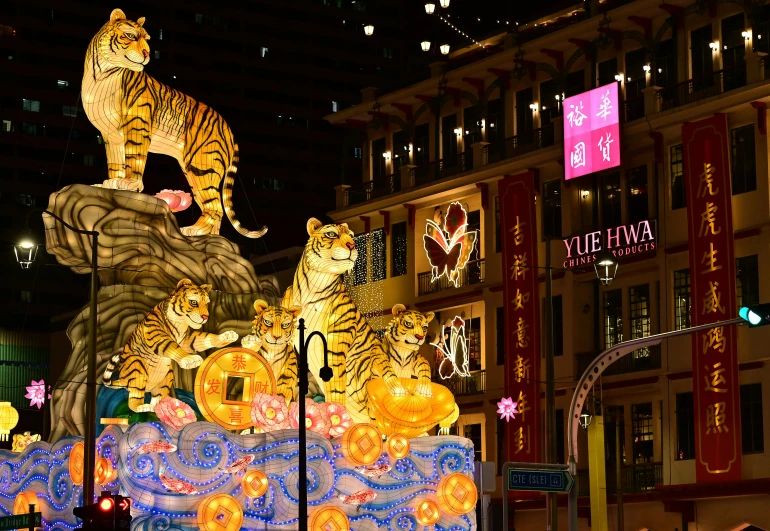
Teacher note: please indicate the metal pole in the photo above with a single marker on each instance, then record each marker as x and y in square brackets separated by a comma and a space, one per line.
[551, 506]
[618, 471]
[505, 496]
[572, 516]
[303, 386]
[90, 431]
[31, 517]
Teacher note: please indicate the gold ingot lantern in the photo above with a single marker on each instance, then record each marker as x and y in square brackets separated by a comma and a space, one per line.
[220, 512]
[362, 444]
[397, 446]
[410, 415]
[254, 483]
[77, 463]
[428, 512]
[456, 494]
[23, 500]
[104, 472]
[9, 418]
[329, 518]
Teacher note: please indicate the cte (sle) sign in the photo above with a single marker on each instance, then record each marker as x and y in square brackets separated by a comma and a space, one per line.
[624, 240]
[540, 480]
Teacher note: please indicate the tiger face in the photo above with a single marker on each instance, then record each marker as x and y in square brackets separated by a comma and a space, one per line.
[124, 44]
[409, 327]
[331, 248]
[274, 325]
[190, 303]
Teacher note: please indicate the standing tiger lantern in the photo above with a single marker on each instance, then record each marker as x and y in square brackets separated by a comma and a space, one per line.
[137, 115]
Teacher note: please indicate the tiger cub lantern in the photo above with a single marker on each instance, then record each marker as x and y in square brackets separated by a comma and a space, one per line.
[137, 115]
[170, 332]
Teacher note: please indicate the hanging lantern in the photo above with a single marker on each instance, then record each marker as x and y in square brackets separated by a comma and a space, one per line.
[254, 483]
[456, 494]
[77, 463]
[444, 3]
[9, 418]
[220, 512]
[397, 446]
[26, 251]
[104, 472]
[425, 46]
[369, 30]
[362, 444]
[444, 49]
[428, 512]
[430, 7]
[329, 518]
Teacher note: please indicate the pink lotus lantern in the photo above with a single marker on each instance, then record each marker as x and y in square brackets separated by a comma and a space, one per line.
[174, 412]
[339, 418]
[316, 418]
[177, 200]
[269, 412]
[36, 393]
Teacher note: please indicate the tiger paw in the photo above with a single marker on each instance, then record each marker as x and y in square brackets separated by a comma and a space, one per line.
[194, 230]
[225, 338]
[144, 408]
[396, 389]
[190, 362]
[424, 391]
[122, 184]
[250, 342]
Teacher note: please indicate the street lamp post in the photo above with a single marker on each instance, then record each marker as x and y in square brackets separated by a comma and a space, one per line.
[326, 375]
[26, 257]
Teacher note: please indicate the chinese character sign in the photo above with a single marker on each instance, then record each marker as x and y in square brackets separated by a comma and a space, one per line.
[712, 284]
[591, 131]
[522, 325]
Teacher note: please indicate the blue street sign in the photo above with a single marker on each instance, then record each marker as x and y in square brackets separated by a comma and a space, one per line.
[540, 480]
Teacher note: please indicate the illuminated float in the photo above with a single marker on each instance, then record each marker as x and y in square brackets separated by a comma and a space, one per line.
[205, 437]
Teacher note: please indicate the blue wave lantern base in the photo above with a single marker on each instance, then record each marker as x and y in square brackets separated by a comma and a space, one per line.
[203, 456]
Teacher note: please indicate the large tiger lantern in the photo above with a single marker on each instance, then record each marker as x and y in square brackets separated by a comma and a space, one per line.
[137, 115]
[164, 336]
[355, 353]
[402, 341]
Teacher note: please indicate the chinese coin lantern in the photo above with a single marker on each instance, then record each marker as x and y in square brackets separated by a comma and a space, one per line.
[428, 512]
[254, 483]
[9, 417]
[456, 494]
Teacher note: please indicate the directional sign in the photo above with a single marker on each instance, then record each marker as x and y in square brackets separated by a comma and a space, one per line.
[20, 521]
[540, 480]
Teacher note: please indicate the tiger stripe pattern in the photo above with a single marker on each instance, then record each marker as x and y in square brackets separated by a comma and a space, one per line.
[404, 336]
[272, 337]
[355, 352]
[164, 336]
[137, 115]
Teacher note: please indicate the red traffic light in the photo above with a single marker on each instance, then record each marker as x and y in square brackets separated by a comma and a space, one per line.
[106, 504]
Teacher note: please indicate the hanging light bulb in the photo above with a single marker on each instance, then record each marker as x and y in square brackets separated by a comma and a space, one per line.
[369, 30]
[430, 7]
[444, 3]
[444, 49]
[425, 46]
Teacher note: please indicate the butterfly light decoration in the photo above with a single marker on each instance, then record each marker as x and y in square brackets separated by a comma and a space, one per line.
[449, 246]
[454, 349]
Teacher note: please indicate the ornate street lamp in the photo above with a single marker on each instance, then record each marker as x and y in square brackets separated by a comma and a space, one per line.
[444, 3]
[444, 49]
[606, 267]
[430, 7]
[369, 30]
[425, 46]
[26, 252]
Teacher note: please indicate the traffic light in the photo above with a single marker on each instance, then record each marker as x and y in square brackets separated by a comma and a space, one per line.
[111, 512]
[758, 315]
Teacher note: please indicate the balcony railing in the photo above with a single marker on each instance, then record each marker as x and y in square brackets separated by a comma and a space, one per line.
[636, 479]
[643, 359]
[518, 145]
[445, 167]
[474, 384]
[372, 189]
[703, 87]
[472, 273]
[634, 108]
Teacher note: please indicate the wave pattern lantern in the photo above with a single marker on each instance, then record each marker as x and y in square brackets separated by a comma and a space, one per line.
[177, 200]
[448, 244]
[454, 349]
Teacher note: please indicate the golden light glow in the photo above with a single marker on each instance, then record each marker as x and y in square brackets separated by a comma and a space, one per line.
[23, 500]
[113, 421]
[362, 444]
[456, 494]
[220, 512]
[104, 472]
[428, 512]
[26, 244]
[329, 519]
[77, 463]
[397, 446]
[254, 483]
[411, 415]
[369, 30]
[9, 418]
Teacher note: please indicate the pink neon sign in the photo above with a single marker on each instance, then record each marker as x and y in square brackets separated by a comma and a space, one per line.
[591, 131]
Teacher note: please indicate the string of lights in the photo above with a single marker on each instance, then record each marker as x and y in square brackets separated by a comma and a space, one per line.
[458, 30]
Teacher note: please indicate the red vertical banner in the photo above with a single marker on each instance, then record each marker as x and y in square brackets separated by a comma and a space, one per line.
[518, 231]
[712, 298]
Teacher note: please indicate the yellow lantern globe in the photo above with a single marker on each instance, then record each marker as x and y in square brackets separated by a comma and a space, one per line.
[362, 444]
[77, 463]
[220, 512]
[397, 446]
[23, 500]
[9, 418]
[329, 519]
[254, 483]
[456, 494]
[428, 512]
[104, 472]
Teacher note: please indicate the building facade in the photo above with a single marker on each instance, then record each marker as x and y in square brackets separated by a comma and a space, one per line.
[454, 138]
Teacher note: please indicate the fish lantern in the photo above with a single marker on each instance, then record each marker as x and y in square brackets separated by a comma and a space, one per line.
[428, 512]
[77, 463]
[104, 472]
[397, 446]
[177, 200]
[362, 444]
[220, 512]
[456, 494]
[9, 418]
[329, 518]
[254, 483]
